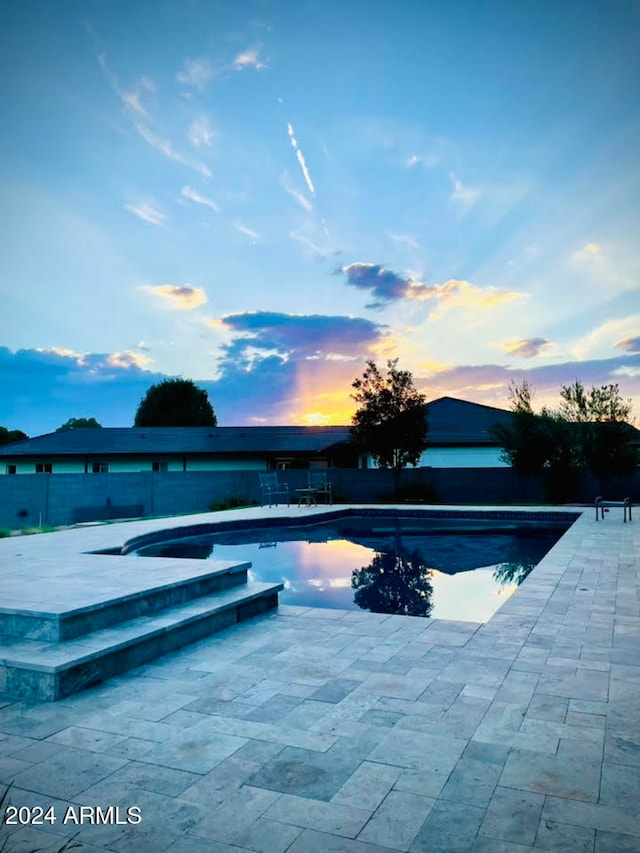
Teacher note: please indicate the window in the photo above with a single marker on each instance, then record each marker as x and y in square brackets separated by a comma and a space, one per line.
[159, 465]
[43, 467]
[100, 467]
[12, 469]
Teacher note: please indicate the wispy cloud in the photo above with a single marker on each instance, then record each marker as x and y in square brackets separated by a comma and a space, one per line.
[137, 112]
[428, 160]
[132, 98]
[301, 160]
[196, 73]
[180, 297]
[526, 347]
[195, 196]
[201, 133]
[147, 211]
[248, 59]
[301, 199]
[248, 232]
[590, 252]
[132, 101]
[166, 148]
[629, 344]
[405, 240]
[462, 195]
[388, 286]
[314, 248]
[618, 332]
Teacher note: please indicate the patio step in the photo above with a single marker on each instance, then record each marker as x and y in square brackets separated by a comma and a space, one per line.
[46, 671]
[150, 592]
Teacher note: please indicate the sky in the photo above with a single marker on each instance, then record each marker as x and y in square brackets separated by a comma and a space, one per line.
[261, 196]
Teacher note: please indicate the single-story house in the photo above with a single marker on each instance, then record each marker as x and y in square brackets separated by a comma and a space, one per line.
[459, 434]
[125, 449]
[458, 437]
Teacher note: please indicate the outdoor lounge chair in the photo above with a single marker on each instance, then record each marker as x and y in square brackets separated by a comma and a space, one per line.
[270, 488]
[321, 486]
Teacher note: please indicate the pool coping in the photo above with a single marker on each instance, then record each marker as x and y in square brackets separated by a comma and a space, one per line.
[330, 514]
[65, 563]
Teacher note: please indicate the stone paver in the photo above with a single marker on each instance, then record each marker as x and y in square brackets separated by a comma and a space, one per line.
[337, 732]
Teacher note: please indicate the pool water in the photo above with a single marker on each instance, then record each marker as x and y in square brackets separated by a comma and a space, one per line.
[454, 569]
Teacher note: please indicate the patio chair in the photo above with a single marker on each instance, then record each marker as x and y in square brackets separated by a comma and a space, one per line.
[318, 481]
[270, 487]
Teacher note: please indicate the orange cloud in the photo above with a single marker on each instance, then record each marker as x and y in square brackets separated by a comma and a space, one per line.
[127, 359]
[526, 347]
[388, 286]
[181, 297]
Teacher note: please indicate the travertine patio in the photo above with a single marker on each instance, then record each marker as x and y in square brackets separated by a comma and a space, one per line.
[318, 730]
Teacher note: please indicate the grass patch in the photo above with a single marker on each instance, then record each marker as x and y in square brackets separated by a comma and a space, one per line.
[31, 531]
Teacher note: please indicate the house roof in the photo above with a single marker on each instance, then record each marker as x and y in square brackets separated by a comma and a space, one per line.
[451, 422]
[190, 440]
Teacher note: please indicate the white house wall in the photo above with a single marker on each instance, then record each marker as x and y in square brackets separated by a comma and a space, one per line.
[463, 457]
[125, 466]
[455, 457]
[226, 465]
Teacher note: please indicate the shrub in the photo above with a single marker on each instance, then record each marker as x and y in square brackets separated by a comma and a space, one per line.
[30, 531]
[4, 533]
[231, 502]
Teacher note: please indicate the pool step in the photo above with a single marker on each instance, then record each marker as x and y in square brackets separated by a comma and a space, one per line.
[46, 671]
[156, 590]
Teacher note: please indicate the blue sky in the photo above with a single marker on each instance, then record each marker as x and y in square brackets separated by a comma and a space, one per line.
[261, 196]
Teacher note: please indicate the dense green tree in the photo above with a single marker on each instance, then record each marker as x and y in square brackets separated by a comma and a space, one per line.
[588, 431]
[175, 402]
[526, 440]
[79, 423]
[9, 435]
[391, 422]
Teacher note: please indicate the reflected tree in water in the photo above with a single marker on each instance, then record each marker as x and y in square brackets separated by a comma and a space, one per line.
[513, 572]
[396, 582]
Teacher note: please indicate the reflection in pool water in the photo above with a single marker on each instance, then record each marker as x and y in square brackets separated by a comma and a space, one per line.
[410, 568]
[394, 582]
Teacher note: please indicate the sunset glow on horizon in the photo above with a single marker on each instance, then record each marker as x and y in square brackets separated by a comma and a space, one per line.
[245, 195]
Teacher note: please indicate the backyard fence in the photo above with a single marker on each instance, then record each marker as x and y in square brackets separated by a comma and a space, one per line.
[34, 500]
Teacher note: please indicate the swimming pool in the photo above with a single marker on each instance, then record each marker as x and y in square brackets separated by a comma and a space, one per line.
[438, 565]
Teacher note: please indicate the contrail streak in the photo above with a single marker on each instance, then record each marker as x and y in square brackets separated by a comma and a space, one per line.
[301, 160]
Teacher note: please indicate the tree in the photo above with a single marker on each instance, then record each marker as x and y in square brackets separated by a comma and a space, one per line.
[175, 402]
[391, 422]
[586, 432]
[79, 423]
[7, 436]
[603, 404]
[526, 440]
[599, 422]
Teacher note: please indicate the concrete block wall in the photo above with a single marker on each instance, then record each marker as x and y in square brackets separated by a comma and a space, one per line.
[31, 500]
